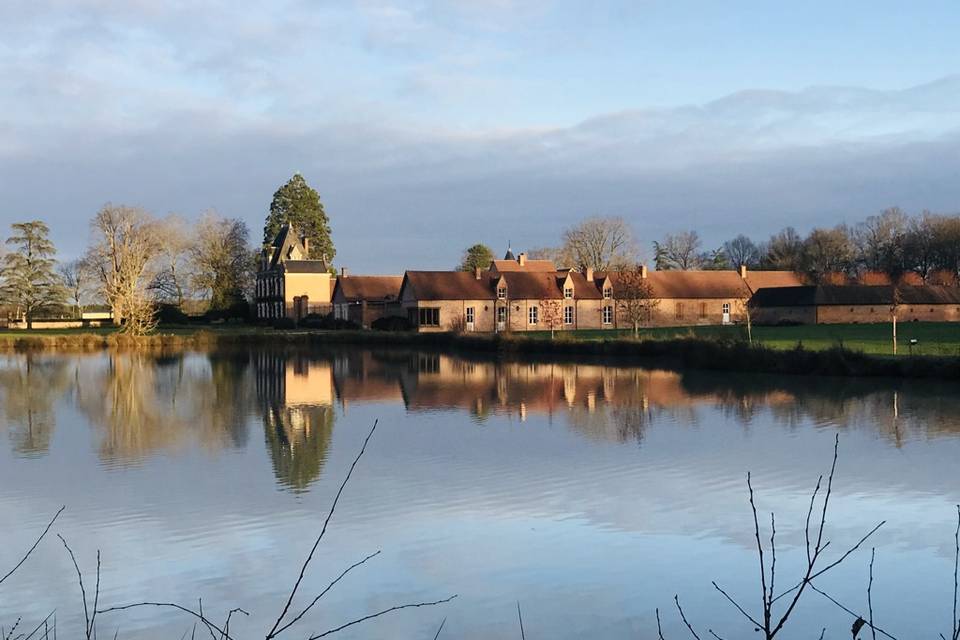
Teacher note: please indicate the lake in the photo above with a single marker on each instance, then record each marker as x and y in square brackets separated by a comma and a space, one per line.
[589, 492]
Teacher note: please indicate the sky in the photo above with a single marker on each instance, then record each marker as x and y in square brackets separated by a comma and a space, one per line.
[428, 126]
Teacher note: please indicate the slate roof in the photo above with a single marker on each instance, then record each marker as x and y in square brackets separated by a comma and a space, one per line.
[369, 288]
[853, 295]
[305, 266]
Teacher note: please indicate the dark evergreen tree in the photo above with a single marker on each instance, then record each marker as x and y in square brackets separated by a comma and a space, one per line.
[297, 203]
[479, 256]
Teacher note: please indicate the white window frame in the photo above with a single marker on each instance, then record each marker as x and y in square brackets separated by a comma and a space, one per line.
[608, 293]
[607, 315]
[568, 293]
[501, 293]
[533, 315]
[725, 308]
[568, 315]
[471, 315]
[501, 314]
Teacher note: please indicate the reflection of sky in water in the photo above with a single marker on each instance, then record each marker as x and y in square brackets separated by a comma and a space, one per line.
[591, 494]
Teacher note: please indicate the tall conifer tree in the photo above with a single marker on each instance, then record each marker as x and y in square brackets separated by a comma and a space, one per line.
[299, 204]
[27, 276]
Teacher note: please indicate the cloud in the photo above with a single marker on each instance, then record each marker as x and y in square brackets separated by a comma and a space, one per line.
[187, 106]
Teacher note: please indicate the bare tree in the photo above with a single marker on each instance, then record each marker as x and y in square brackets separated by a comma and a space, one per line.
[599, 243]
[124, 248]
[783, 251]
[172, 278]
[827, 252]
[741, 251]
[636, 299]
[879, 241]
[78, 281]
[551, 315]
[679, 252]
[222, 260]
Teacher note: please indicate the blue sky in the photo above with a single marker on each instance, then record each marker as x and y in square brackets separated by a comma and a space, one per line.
[430, 125]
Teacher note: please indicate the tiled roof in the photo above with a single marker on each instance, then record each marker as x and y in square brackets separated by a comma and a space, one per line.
[522, 285]
[369, 288]
[763, 279]
[448, 285]
[691, 284]
[539, 266]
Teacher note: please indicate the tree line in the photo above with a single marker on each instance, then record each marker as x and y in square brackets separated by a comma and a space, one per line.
[138, 264]
[891, 245]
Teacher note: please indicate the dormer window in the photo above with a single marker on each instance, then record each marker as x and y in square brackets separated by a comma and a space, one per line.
[501, 293]
[607, 293]
[568, 292]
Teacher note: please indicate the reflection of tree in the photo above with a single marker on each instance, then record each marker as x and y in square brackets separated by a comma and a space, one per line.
[142, 403]
[298, 438]
[29, 388]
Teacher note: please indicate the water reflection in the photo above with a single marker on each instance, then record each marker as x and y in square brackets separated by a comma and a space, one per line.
[141, 404]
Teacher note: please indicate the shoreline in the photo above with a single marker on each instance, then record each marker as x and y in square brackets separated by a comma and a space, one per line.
[684, 352]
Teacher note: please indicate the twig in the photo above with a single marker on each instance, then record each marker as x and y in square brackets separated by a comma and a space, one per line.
[226, 625]
[873, 630]
[659, 628]
[41, 624]
[90, 620]
[380, 613]
[520, 618]
[306, 563]
[676, 599]
[855, 615]
[956, 563]
[31, 549]
[171, 605]
[324, 592]
[442, 622]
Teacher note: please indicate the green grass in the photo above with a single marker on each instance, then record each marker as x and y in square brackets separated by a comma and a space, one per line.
[933, 338]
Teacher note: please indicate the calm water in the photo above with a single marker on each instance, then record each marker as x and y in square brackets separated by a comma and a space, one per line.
[590, 493]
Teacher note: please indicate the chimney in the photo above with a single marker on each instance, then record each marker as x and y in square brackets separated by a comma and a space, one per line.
[643, 271]
[343, 272]
[522, 259]
[305, 241]
[589, 274]
[743, 271]
[476, 272]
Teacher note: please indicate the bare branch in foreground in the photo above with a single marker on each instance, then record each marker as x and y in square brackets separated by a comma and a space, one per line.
[659, 628]
[171, 605]
[442, 622]
[520, 618]
[676, 599]
[35, 544]
[306, 563]
[380, 613]
[873, 629]
[89, 618]
[856, 616]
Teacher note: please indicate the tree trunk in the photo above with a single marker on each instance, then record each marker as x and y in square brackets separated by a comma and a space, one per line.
[894, 333]
[636, 329]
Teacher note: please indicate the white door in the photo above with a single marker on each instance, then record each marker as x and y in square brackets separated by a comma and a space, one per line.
[726, 313]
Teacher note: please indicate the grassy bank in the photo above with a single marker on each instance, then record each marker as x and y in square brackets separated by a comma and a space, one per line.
[781, 350]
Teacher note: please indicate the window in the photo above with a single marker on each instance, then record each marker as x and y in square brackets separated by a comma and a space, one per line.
[678, 311]
[608, 293]
[429, 317]
[608, 315]
[501, 314]
[533, 315]
[568, 315]
[470, 315]
[501, 293]
[726, 308]
[703, 310]
[568, 292]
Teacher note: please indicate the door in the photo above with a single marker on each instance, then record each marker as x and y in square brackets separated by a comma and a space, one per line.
[726, 313]
[470, 318]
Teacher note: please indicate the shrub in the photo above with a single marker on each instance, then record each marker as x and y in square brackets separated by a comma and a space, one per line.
[392, 323]
[284, 323]
[171, 314]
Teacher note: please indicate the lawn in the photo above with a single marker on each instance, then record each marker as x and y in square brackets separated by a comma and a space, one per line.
[933, 338]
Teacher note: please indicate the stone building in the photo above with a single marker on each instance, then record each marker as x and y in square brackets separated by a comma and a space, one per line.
[835, 304]
[288, 284]
[364, 299]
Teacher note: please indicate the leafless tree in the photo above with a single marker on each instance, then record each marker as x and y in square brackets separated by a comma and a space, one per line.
[783, 251]
[78, 280]
[170, 283]
[222, 262]
[827, 252]
[599, 243]
[741, 251]
[551, 315]
[879, 241]
[124, 249]
[679, 252]
[636, 299]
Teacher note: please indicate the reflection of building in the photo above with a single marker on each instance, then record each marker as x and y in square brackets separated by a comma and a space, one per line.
[296, 394]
